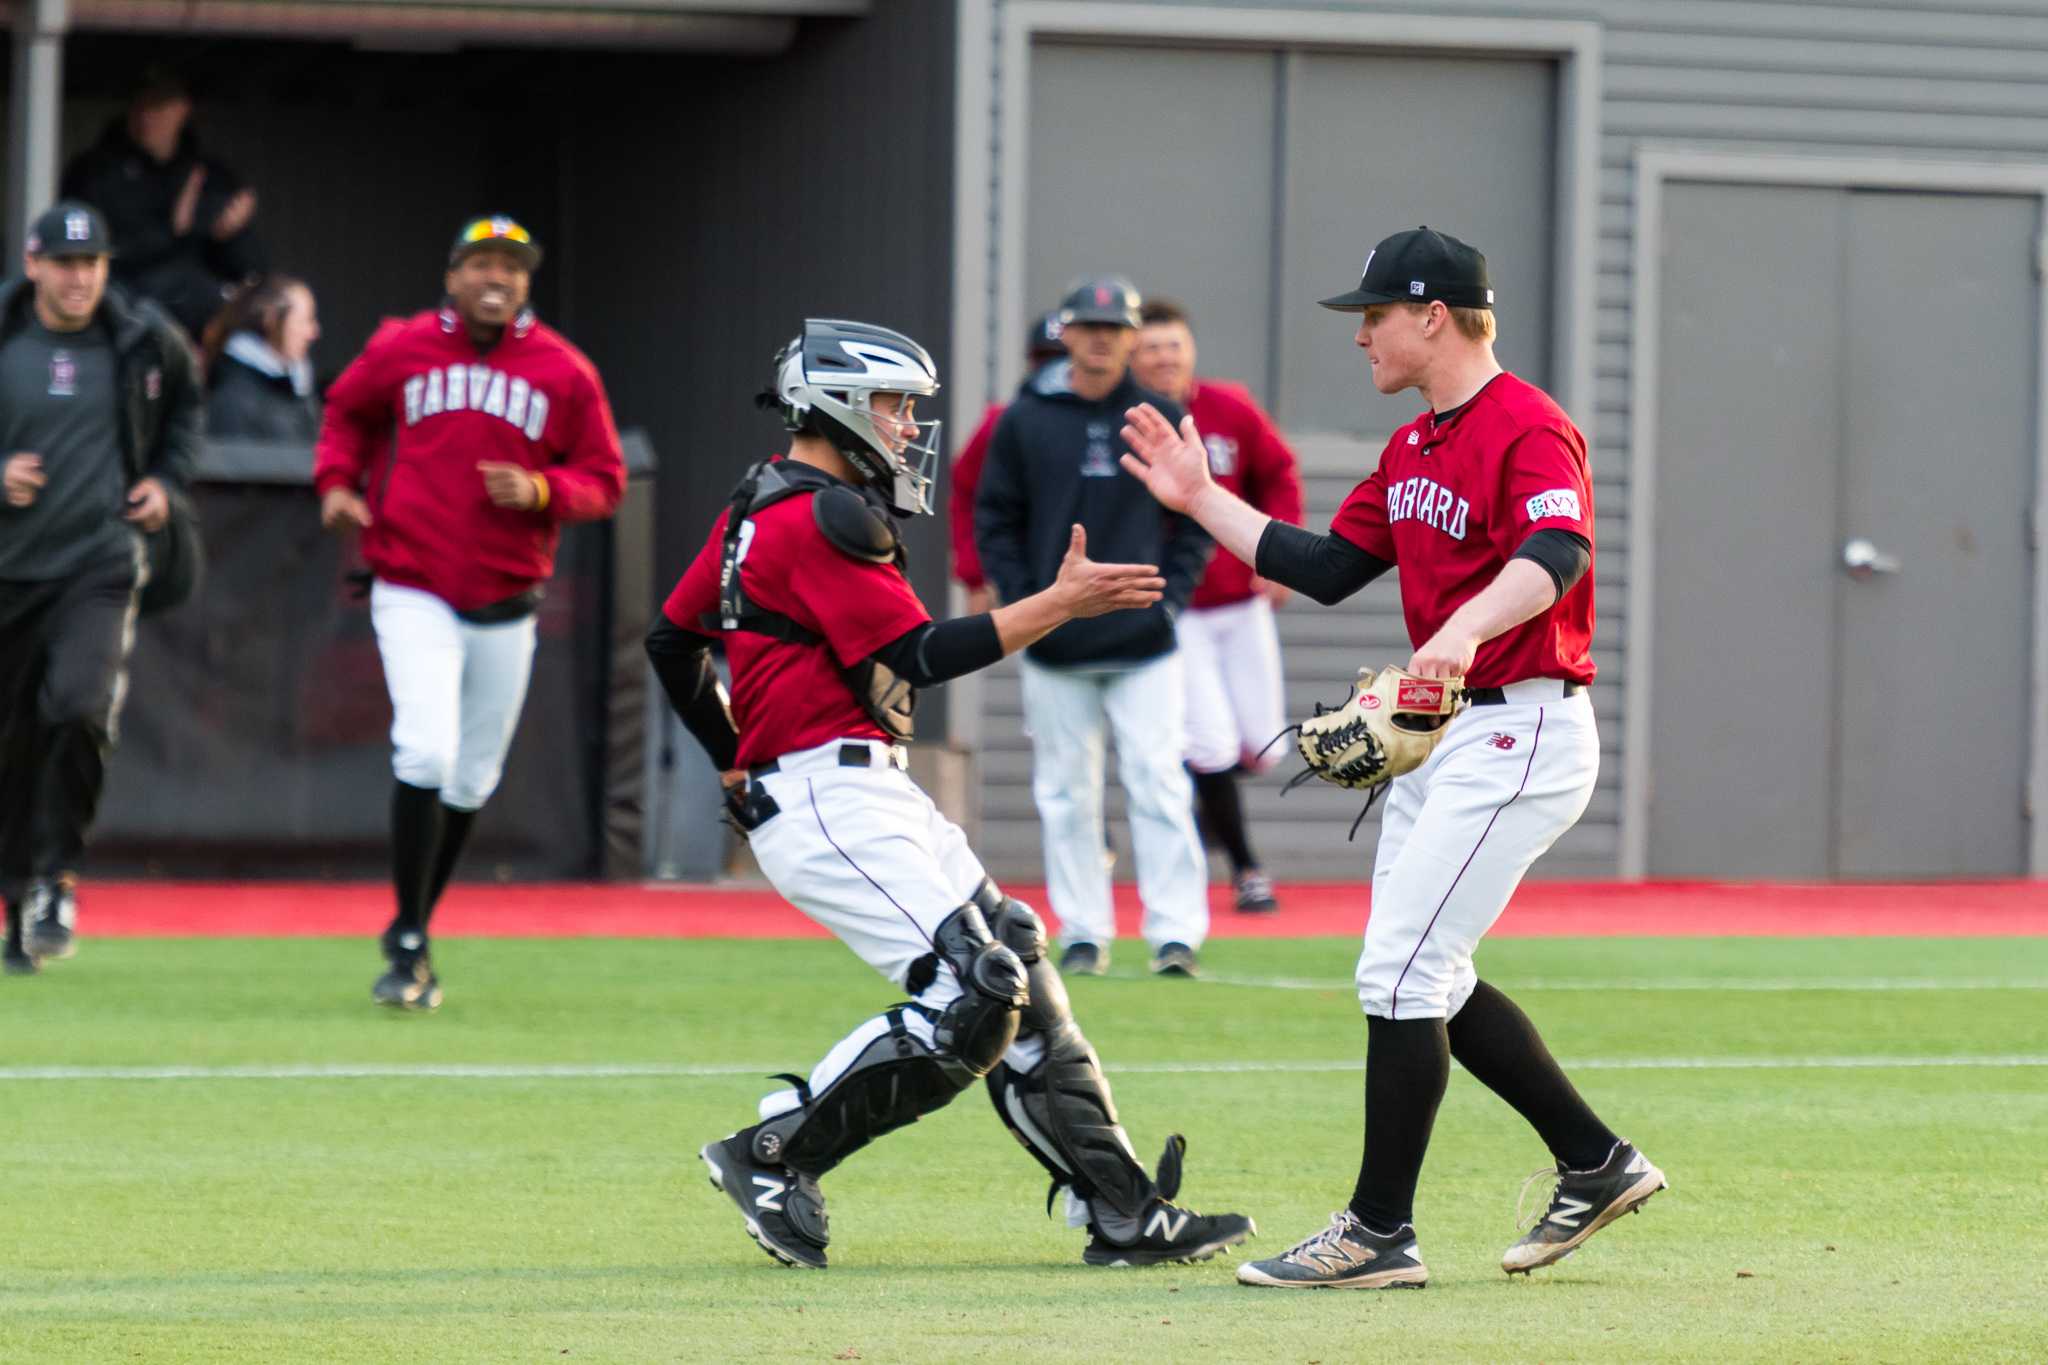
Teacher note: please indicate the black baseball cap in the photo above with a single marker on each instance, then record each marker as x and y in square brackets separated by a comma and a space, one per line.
[499, 233]
[1416, 267]
[1101, 298]
[69, 228]
[1044, 337]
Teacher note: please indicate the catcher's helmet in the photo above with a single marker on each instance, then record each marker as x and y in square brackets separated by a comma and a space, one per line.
[825, 382]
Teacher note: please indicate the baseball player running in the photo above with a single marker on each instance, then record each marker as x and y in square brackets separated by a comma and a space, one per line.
[475, 431]
[1229, 644]
[803, 577]
[1486, 504]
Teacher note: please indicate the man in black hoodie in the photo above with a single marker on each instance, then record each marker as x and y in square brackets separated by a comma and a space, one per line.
[100, 422]
[1053, 462]
[182, 218]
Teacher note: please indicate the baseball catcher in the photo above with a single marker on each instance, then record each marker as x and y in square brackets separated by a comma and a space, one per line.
[803, 578]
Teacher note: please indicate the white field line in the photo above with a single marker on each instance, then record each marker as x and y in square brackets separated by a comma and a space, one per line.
[600, 1071]
[1678, 983]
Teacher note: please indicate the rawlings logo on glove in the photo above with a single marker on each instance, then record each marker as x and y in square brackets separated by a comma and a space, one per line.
[1389, 725]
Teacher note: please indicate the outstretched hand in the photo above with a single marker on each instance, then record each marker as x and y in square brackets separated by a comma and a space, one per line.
[1172, 464]
[1086, 588]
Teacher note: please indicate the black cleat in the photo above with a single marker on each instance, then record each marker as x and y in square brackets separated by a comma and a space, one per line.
[1175, 959]
[1168, 1235]
[785, 1211]
[1253, 893]
[14, 958]
[1084, 959]
[1345, 1255]
[1583, 1203]
[49, 918]
[409, 982]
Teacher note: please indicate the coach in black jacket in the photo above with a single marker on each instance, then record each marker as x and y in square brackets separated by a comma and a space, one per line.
[99, 426]
[1053, 462]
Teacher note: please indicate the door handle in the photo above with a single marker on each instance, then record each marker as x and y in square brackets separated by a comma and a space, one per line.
[1863, 559]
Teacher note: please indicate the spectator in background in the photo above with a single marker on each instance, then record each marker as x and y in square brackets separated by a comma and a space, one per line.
[259, 368]
[181, 217]
[1040, 348]
[1228, 641]
[1052, 463]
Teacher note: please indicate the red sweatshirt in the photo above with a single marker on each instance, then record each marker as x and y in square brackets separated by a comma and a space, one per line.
[409, 420]
[1248, 456]
[960, 506]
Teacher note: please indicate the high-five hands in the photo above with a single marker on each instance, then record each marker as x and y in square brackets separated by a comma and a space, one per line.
[1086, 588]
[1172, 464]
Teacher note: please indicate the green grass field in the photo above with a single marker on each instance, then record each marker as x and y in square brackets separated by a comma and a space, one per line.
[1854, 1131]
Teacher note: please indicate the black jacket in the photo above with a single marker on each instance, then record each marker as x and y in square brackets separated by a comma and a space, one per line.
[138, 194]
[1053, 462]
[163, 421]
[244, 402]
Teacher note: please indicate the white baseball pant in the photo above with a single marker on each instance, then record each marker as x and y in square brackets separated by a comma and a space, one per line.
[1459, 833]
[864, 852]
[456, 690]
[1069, 713]
[1235, 702]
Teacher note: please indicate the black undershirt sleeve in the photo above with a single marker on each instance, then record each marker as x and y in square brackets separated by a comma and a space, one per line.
[682, 660]
[1564, 555]
[1327, 568]
[940, 651]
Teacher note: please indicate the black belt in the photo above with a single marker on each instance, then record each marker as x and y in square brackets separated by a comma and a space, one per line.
[1494, 696]
[850, 756]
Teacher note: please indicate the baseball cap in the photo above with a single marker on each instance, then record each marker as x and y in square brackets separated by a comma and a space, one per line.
[1416, 267]
[499, 232]
[69, 228]
[1101, 298]
[1044, 337]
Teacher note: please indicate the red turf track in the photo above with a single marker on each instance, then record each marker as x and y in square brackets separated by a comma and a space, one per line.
[1540, 909]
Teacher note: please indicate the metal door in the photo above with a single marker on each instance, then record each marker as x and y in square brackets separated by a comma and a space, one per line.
[1844, 466]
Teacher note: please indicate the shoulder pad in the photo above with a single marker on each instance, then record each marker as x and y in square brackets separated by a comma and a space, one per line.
[854, 528]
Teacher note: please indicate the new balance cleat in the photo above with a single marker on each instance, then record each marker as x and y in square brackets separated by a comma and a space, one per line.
[1583, 1203]
[1345, 1255]
[1253, 893]
[49, 919]
[1167, 1233]
[1175, 959]
[1084, 959]
[785, 1211]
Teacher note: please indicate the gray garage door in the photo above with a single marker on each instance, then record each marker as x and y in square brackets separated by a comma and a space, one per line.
[1248, 183]
[1843, 374]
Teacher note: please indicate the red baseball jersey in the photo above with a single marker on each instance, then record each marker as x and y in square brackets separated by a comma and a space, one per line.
[960, 503]
[1248, 456]
[412, 415]
[1455, 495]
[787, 697]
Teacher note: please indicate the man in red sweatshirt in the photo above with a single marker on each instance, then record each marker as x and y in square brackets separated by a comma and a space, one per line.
[457, 443]
[1228, 639]
[1042, 347]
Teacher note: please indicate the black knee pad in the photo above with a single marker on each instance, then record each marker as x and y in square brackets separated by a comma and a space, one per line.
[978, 1028]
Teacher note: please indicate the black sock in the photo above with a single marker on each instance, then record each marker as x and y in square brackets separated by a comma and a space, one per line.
[1494, 1040]
[1407, 1066]
[415, 835]
[454, 834]
[1223, 816]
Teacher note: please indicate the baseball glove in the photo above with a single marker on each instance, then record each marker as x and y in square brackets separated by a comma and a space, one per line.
[1389, 725]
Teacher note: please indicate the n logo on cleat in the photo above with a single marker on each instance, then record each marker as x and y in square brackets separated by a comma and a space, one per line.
[770, 1196]
[1166, 1222]
[1567, 1211]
